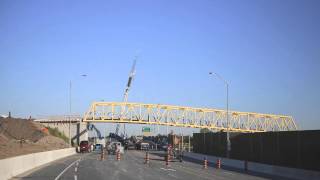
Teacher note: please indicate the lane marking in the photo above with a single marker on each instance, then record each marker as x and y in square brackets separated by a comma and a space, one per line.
[67, 169]
[75, 169]
[168, 169]
[172, 176]
[228, 173]
[75, 177]
[196, 174]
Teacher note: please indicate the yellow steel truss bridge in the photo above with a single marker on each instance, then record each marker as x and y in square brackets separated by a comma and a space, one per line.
[180, 116]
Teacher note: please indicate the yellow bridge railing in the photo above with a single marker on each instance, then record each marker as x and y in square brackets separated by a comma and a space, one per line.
[179, 116]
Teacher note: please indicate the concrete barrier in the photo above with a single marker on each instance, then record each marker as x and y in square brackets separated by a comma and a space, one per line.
[11, 167]
[279, 171]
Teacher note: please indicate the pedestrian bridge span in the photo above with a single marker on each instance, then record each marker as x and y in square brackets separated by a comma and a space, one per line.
[181, 116]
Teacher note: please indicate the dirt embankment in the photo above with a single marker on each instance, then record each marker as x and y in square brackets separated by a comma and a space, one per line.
[21, 136]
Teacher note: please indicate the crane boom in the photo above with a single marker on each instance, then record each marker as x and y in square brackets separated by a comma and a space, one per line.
[126, 92]
[131, 76]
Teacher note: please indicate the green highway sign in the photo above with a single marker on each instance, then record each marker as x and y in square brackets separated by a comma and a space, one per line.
[146, 129]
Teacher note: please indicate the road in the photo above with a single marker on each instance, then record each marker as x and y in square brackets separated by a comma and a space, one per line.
[130, 167]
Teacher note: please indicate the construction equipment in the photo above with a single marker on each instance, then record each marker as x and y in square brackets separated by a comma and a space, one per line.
[126, 93]
[93, 127]
[90, 127]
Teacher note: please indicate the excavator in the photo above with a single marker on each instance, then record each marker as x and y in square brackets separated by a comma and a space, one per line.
[90, 127]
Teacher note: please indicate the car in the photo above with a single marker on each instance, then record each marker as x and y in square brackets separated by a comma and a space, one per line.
[144, 146]
[85, 146]
[98, 147]
[163, 146]
[130, 146]
[113, 147]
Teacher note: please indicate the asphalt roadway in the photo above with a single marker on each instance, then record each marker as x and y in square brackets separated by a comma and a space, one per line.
[130, 167]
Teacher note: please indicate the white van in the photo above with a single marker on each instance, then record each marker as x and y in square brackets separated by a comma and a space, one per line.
[113, 147]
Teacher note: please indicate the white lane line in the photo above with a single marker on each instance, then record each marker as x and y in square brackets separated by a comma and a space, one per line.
[66, 169]
[229, 173]
[168, 169]
[172, 176]
[75, 169]
[75, 177]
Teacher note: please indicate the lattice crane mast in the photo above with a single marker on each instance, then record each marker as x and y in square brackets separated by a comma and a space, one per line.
[126, 92]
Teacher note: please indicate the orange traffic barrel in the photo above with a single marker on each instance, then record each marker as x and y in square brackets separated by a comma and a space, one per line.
[218, 163]
[167, 160]
[102, 155]
[205, 163]
[118, 156]
[147, 159]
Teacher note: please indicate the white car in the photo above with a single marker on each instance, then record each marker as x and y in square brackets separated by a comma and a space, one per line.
[113, 147]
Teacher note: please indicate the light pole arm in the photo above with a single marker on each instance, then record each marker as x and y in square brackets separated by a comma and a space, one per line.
[227, 89]
[221, 78]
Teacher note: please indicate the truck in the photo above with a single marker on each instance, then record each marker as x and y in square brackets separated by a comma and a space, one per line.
[85, 146]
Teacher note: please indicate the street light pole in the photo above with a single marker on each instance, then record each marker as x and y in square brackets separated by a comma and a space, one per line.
[228, 124]
[70, 107]
[70, 87]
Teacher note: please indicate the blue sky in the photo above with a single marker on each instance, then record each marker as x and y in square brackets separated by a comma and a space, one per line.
[269, 51]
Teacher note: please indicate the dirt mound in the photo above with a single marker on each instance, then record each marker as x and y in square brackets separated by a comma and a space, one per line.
[36, 138]
[16, 129]
[3, 139]
[52, 141]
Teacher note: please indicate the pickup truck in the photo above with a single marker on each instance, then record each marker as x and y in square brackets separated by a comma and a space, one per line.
[85, 146]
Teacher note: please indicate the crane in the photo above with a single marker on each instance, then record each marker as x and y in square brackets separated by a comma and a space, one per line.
[126, 92]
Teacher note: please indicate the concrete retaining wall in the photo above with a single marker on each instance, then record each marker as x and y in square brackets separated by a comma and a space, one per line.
[11, 167]
[76, 128]
[280, 171]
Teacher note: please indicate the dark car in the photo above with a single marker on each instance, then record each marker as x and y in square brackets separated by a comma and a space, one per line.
[163, 147]
[130, 146]
[85, 146]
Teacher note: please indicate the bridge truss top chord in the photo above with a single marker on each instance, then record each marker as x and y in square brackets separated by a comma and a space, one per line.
[180, 116]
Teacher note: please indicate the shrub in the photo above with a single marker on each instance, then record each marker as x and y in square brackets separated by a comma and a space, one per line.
[55, 132]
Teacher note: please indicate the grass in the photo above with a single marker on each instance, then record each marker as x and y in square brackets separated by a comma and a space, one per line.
[55, 132]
